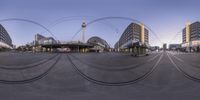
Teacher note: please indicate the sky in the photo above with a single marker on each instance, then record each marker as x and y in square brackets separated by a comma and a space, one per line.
[63, 18]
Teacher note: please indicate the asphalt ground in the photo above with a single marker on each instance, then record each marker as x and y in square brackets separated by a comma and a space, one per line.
[164, 81]
[21, 58]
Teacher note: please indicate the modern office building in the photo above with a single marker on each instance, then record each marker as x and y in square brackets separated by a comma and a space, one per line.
[116, 46]
[42, 40]
[135, 38]
[164, 46]
[191, 37]
[49, 44]
[5, 40]
[154, 48]
[99, 44]
[174, 46]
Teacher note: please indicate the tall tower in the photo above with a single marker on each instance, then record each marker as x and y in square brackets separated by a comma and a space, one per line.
[83, 31]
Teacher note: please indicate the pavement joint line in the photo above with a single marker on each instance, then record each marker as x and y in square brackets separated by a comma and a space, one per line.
[115, 84]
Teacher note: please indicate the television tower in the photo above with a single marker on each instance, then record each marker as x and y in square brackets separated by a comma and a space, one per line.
[83, 31]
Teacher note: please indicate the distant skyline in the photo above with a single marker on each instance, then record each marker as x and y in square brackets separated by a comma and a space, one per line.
[165, 17]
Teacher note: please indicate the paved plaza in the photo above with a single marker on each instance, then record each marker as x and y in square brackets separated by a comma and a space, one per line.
[99, 76]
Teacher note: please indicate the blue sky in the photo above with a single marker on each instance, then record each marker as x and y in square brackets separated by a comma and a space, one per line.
[165, 17]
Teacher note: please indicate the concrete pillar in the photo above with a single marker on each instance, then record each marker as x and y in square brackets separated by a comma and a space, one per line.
[139, 50]
[78, 49]
[43, 49]
[51, 50]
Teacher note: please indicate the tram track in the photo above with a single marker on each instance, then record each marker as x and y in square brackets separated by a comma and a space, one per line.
[27, 66]
[45, 73]
[99, 82]
[181, 70]
[116, 68]
[190, 64]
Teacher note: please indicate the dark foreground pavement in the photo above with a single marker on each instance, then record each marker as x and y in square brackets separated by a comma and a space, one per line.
[64, 83]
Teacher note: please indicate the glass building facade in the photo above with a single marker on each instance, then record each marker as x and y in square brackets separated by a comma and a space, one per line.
[5, 40]
[191, 37]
